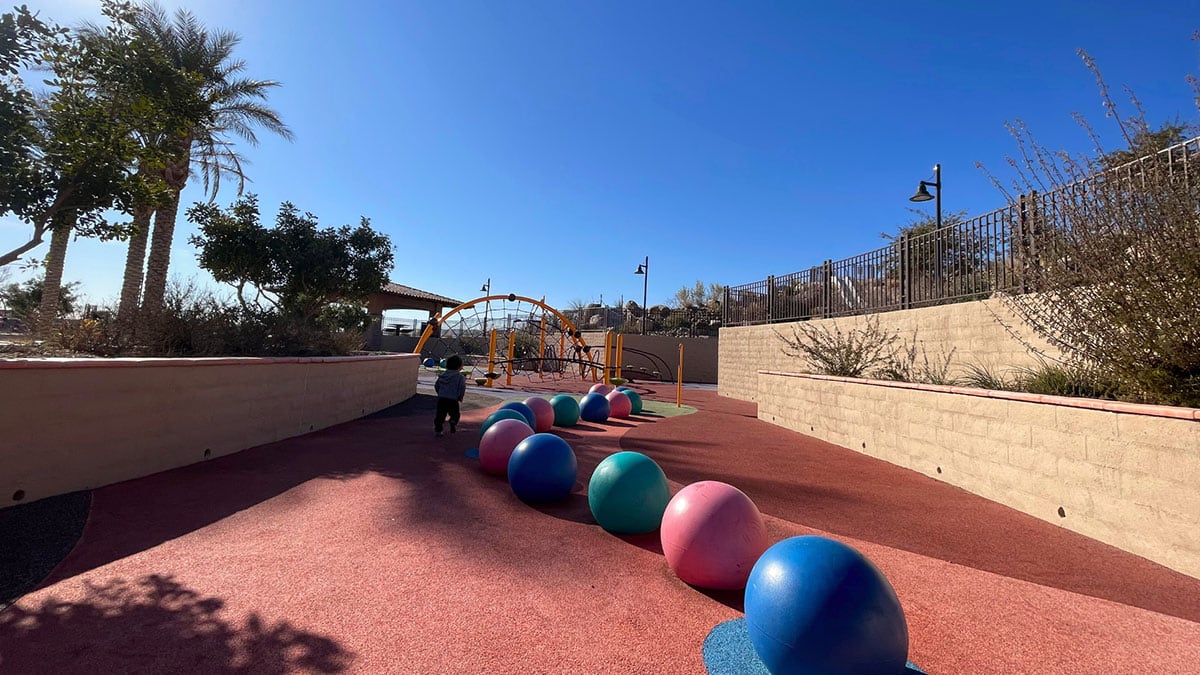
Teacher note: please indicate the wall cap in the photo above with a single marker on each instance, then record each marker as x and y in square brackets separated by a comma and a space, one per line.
[1062, 401]
[158, 362]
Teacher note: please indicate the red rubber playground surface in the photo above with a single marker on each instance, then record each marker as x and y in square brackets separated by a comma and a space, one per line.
[374, 547]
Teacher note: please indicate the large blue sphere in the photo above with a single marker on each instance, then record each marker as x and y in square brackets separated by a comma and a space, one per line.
[502, 414]
[525, 410]
[628, 493]
[542, 468]
[815, 605]
[430, 362]
[594, 408]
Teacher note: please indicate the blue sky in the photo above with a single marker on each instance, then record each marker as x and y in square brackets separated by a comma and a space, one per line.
[552, 145]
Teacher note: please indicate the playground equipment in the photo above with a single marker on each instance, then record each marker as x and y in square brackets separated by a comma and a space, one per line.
[816, 605]
[628, 493]
[509, 335]
[712, 534]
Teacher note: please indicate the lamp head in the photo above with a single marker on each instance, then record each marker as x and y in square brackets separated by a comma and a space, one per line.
[922, 194]
[641, 269]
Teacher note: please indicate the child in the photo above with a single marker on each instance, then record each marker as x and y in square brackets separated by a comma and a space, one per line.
[451, 386]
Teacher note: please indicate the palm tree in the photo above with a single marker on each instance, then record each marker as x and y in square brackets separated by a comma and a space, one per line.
[227, 104]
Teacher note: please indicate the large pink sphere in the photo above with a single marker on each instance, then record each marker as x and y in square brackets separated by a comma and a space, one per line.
[600, 388]
[619, 404]
[543, 412]
[712, 534]
[498, 442]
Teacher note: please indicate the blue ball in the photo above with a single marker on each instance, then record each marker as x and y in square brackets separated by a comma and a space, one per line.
[594, 408]
[816, 605]
[525, 410]
[628, 493]
[542, 468]
[502, 414]
[430, 362]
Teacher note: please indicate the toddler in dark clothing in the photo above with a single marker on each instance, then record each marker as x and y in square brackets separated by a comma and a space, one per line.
[450, 387]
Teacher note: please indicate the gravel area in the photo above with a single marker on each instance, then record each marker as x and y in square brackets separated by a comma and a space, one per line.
[35, 537]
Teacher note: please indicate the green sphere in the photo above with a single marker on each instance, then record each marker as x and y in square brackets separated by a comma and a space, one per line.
[504, 414]
[628, 493]
[566, 410]
[636, 400]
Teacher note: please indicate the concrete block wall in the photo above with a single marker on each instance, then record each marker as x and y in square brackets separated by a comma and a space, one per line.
[699, 355]
[74, 424]
[976, 331]
[1121, 473]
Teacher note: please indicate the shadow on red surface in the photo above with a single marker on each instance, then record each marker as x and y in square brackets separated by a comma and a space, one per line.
[160, 625]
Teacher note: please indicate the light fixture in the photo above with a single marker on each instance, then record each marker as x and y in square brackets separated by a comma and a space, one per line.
[644, 270]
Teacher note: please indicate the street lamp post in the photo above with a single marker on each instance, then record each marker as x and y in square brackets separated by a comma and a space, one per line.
[644, 270]
[487, 306]
[923, 195]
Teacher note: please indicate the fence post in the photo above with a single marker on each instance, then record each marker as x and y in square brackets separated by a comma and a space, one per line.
[1018, 261]
[905, 272]
[826, 287]
[770, 298]
[725, 307]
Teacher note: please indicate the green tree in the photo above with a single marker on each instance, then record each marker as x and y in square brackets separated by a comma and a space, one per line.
[230, 105]
[24, 300]
[707, 296]
[67, 153]
[295, 267]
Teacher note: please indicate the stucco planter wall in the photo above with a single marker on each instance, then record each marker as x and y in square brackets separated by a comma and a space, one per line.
[983, 332]
[73, 424]
[1125, 474]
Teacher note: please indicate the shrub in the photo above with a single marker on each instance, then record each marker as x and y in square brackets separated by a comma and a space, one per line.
[834, 352]
[902, 364]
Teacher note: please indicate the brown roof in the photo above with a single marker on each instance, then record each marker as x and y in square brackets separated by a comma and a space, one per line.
[417, 294]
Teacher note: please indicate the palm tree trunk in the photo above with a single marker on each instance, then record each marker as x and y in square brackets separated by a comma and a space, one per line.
[160, 255]
[135, 262]
[175, 176]
[52, 285]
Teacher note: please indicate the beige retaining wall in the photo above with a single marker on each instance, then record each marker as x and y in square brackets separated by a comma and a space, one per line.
[1125, 474]
[74, 424]
[975, 330]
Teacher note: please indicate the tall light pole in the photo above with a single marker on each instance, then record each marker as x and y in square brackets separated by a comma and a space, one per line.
[923, 195]
[644, 270]
[487, 290]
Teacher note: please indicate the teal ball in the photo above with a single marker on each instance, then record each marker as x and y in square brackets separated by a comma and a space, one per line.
[502, 414]
[628, 493]
[566, 410]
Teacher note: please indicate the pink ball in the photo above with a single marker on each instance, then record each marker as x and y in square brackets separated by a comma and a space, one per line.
[619, 404]
[600, 388]
[712, 534]
[498, 442]
[543, 412]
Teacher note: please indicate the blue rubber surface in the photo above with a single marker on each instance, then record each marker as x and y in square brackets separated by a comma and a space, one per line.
[727, 651]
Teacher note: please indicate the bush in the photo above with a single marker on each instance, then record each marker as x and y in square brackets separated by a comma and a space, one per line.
[902, 364]
[846, 354]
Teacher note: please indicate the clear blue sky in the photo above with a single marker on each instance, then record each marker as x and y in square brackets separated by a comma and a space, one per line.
[552, 145]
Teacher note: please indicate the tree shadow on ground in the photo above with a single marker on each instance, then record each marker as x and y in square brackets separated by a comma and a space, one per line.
[397, 442]
[164, 627]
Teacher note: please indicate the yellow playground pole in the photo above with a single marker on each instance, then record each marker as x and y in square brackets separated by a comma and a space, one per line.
[679, 380]
[562, 348]
[608, 346]
[542, 348]
[512, 342]
[491, 358]
[620, 348]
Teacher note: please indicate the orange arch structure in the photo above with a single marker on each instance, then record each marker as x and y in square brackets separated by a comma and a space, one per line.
[439, 319]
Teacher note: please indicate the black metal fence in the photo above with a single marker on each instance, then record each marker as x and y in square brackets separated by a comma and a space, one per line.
[685, 322]
[961, 261]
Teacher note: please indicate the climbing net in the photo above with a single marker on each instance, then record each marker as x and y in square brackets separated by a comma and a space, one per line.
[506, 336]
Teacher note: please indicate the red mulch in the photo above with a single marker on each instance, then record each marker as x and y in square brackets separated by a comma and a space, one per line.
[374, 547]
